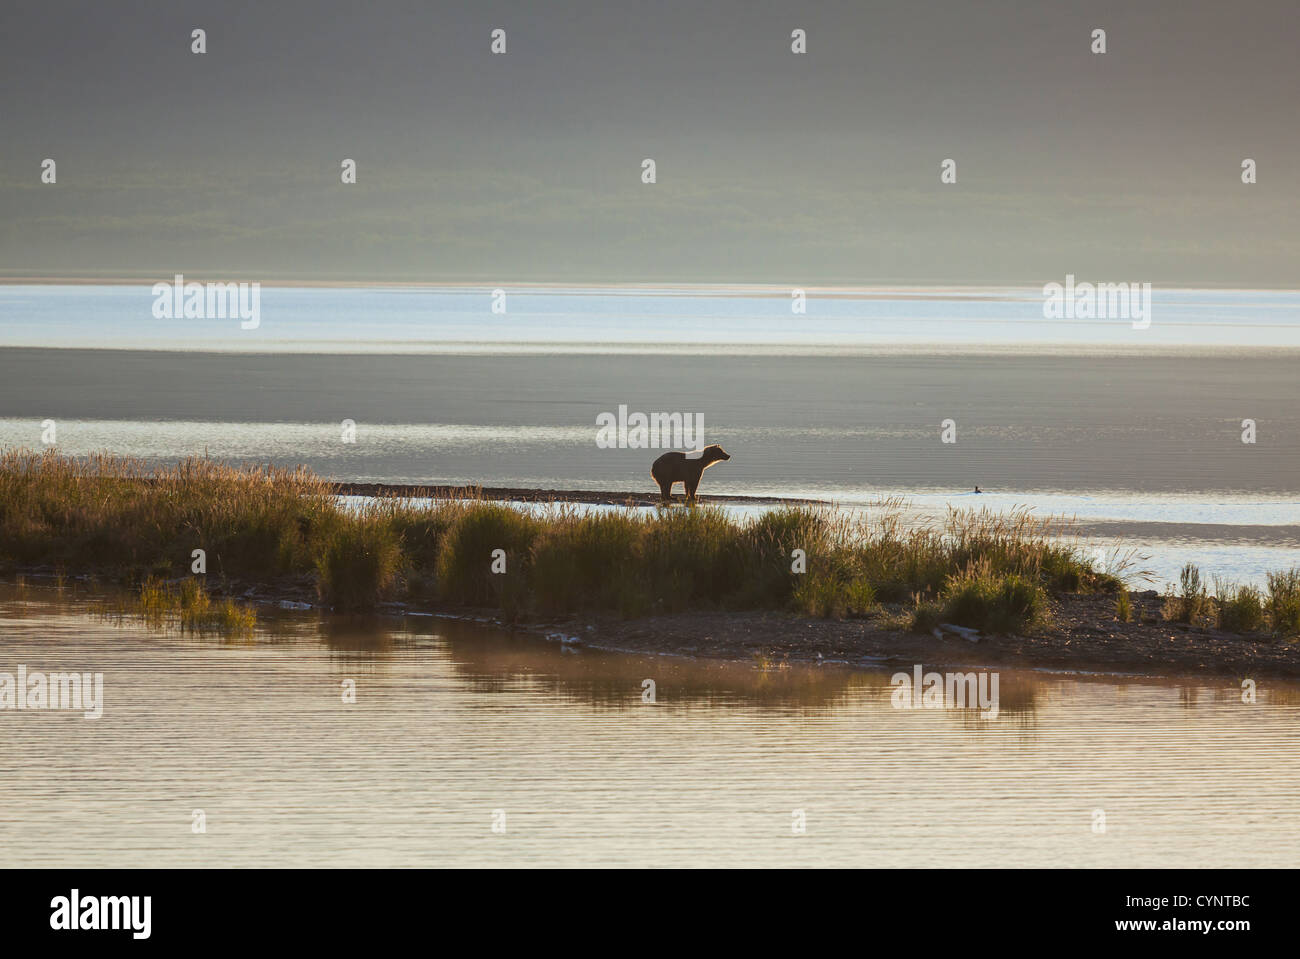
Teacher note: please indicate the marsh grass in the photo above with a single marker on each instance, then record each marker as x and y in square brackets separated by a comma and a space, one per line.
[357, 560]
[1283, 603]
[112, 512]
[588, 561]
[993, 601]
[116, 516]
[420, 529]
[1234, 607]
[927, 613]
[465, 560]
[1190, 602]
[185, 606]
[834, 596]
[1237, 608]
[1123, 607]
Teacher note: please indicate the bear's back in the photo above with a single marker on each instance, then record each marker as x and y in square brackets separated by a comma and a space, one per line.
[671, 463]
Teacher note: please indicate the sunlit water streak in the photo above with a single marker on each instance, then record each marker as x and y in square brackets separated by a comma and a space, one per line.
[454, 721]
[607, 319]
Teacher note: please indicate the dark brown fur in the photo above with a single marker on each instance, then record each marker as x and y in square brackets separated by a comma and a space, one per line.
[674, 467]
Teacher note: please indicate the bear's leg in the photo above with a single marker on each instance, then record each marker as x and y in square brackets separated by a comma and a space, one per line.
[691, 486]
[665, 490]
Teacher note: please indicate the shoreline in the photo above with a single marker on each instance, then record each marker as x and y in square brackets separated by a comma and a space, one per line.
[1082, 640]
[517, 494]
[794, 584]
[1084, 636]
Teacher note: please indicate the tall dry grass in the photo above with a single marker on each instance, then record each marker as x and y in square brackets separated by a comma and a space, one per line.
[256, 524]
[114, 512]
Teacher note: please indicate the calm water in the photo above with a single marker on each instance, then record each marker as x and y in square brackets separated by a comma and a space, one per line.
[453, 721]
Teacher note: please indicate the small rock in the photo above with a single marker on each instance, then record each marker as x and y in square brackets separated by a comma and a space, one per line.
[965, 632]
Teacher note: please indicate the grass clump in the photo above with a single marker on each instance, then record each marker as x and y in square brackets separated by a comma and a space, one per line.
[588, 561]
[777, 549]
[1190, 603]
[690, 559]
[1123, 607]
[1284, 602]
[991, 601]
[189, 608]
[485, 556]
[832, 596]
[926, 615]
[357, 562]
[1238, 609]
[419, 527]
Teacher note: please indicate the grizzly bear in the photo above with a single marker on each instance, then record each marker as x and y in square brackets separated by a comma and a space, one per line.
[685, 468]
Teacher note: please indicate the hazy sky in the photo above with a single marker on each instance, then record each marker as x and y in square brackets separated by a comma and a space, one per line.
[772, 167]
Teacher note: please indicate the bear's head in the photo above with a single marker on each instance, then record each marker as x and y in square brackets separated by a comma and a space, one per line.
[715, 454]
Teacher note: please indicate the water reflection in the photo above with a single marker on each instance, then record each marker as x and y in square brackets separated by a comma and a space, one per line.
[454, 720]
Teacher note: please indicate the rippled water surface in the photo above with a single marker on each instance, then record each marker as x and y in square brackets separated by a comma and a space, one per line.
[454, 721]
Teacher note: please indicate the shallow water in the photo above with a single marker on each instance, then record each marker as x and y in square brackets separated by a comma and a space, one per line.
[453, 721]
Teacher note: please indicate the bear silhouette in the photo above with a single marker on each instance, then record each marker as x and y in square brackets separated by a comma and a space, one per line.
[685, 468]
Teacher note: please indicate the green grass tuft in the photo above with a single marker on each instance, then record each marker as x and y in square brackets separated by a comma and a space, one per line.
[1284, 602]
[1238, 609]
[993, 602]
[188, 608]
[1123, 607]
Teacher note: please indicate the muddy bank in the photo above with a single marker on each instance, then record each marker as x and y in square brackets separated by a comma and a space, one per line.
[526, 495]
[1085, 636]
